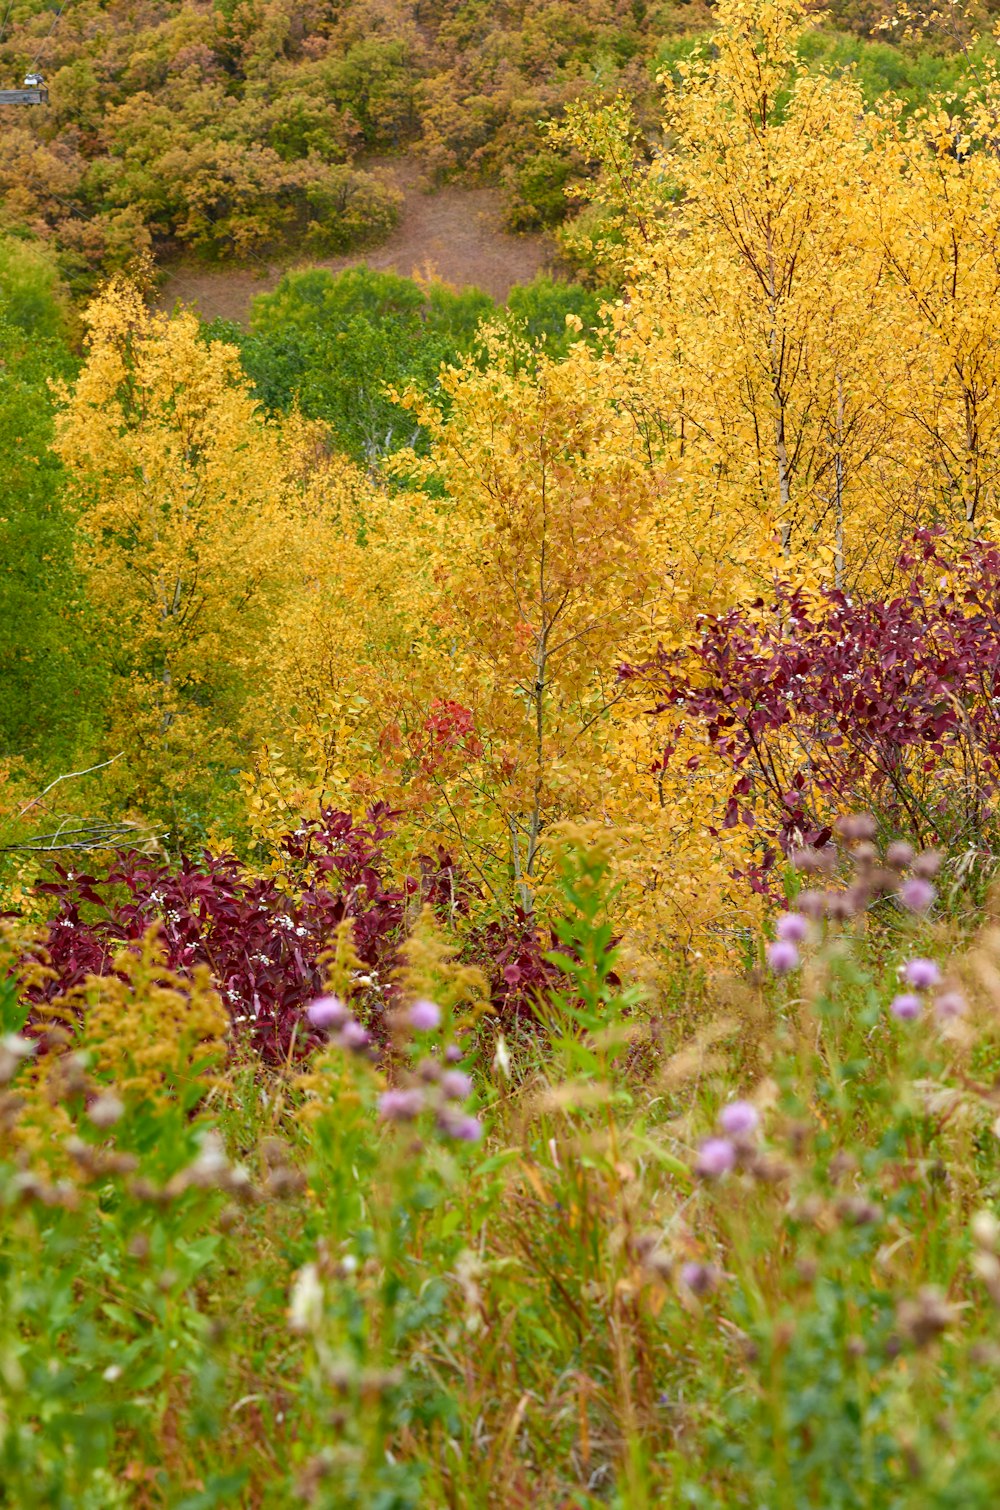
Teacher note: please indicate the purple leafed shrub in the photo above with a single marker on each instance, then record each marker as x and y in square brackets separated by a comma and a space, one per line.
[823, 703]
[260, 939]
[513, 954]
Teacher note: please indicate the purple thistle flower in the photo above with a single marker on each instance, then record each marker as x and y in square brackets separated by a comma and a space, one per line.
[950, 1004]
[466, 1129]
[453, 1054]
[739, 1119]
[716, 1157]
[400, 1105]
[699, 1278]
[456, 1085]
[353, 1036]
[791, 928]
[782, 957]
[899, 854]
[906, 1007]
[917, 894]
[424, 1016]
[327, 1012]
[921, 974]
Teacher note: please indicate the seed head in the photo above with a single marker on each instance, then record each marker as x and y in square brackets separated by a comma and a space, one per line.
[924, 1317]
[13, 1049]
[856, 827]
[305, 1308]
[950, 1004]
[986, 1266]
[985, 1231]
[841, 905]
[106, 1110]
[811, 903]
[811, 861]
[927, 864]
[899, 854]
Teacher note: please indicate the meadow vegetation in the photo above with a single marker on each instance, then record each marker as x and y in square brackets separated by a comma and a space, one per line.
[499, 938]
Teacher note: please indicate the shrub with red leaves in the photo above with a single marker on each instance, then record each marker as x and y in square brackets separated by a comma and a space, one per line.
[826, 703]
[513, 953]
[260, 940]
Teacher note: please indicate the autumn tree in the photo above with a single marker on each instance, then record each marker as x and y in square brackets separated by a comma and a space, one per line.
[191, 531]
[933, 215]
[751, 342]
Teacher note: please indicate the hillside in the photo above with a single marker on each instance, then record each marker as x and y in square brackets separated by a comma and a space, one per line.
[500, 758]
[241, 129]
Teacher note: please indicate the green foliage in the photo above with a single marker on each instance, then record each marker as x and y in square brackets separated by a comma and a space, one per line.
[540, 309]
[913, 73]
[540, 191]
[374, 81]
[50, 677]
[334, 344]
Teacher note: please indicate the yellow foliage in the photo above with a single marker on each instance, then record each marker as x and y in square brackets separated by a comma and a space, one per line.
[150, 1033]
[198, 521]
[144, 1033]
[802, 366]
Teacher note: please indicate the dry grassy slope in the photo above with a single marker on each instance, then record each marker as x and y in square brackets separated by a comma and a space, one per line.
[454, 233]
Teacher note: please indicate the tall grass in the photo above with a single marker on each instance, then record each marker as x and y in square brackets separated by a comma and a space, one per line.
[736, 1248]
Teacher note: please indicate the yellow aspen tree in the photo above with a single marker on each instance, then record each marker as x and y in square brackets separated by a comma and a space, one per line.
[540, 563]
[750, 339]
[191, 530]
[932, 205]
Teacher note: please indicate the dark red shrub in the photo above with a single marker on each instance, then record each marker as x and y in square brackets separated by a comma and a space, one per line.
[824, 703]
[260, 937]
[513, 953]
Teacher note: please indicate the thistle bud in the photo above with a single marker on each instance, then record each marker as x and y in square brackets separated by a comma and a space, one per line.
[925, 1317]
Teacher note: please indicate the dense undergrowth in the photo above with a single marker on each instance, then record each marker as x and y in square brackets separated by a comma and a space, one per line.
[706, 1254]
[499, 954]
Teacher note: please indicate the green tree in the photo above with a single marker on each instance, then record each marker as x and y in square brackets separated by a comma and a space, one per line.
[50, 678]
[335, 344]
